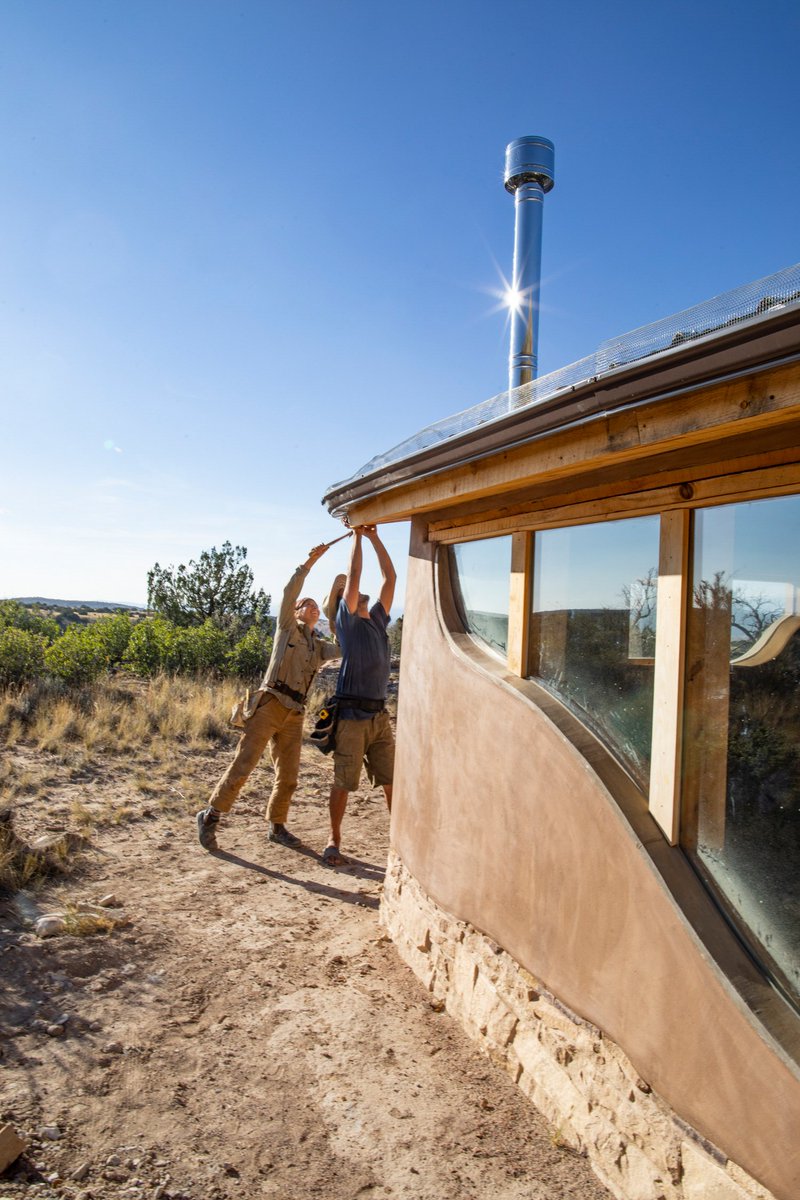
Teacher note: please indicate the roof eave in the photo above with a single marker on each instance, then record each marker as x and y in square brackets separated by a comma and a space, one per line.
[744, 348]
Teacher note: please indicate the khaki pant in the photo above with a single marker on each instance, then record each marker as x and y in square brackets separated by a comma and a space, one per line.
[371, 742]
[282, 729]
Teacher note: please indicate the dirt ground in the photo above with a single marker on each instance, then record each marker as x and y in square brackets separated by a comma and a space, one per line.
[250, 1032]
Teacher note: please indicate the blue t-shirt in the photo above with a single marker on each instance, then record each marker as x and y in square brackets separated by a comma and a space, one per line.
[366, 658]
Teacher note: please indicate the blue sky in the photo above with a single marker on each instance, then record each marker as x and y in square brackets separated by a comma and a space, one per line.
[245, 246]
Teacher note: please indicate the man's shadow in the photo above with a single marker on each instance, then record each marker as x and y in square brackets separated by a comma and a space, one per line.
[355, 868]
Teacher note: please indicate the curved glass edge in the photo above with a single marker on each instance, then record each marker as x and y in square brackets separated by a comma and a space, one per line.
[740, 822]
[480, 576]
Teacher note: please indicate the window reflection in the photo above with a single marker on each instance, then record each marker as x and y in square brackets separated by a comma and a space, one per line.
[741, 783]
[593, 629]
[481, 581]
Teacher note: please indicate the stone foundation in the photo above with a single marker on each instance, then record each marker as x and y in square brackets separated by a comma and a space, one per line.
[579, 1080]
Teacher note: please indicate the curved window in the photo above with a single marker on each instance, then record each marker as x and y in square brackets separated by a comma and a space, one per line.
[481, 583]
[741, 761]
[593, 629]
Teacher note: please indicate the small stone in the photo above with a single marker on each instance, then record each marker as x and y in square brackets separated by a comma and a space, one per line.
[114, 1048]
[95, 1026]
[80, 1173]
[50, 926]
[55, 1030]
[115, 1175]
[109, 901]
[113, 1160]
[51, 1132]
[53, 1177]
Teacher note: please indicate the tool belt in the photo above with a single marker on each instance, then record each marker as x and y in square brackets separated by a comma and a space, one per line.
[371, 706]
[285, 690]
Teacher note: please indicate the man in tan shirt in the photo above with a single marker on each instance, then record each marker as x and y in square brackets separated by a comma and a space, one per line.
[274, 714]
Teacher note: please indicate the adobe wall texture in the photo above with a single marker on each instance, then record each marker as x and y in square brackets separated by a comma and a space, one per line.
[583, 1083]
[504, 824]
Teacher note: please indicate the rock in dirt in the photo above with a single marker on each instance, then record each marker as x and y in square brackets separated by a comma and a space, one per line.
[50, 926]
[51, 1132]
[11, 1146]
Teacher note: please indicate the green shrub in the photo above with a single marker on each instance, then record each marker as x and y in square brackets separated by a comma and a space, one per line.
[14, 615]
[22, 656]
[200, 649]
[146, 647]
[157, 645]
[113, 634]
[250, 655]
[78, 656]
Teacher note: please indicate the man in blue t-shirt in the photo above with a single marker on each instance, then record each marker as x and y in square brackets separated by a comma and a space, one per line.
[364, 731]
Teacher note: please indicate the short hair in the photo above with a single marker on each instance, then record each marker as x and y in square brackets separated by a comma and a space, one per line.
[305, 600]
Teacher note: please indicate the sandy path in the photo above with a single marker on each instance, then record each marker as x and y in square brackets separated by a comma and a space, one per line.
[251, 1033]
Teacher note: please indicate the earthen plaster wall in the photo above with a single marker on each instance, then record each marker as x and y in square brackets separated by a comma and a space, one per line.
[505, 825]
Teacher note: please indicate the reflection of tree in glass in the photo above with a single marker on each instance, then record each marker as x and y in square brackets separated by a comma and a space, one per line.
[749, 614]
[599, 662]
[639, 598]
[764, 737]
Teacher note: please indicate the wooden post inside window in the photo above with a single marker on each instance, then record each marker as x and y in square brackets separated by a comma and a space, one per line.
[673, 583]
[519, 603]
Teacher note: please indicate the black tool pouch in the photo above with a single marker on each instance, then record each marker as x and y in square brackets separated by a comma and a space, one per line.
[323, 735]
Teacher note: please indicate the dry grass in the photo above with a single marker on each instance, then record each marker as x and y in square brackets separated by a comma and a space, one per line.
[118, 717]
[86, 924]
[21, 866]
[105, 754]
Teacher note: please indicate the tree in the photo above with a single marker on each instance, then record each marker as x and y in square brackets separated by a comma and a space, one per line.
[218, 587]
[396, 636]
[14, 615]
[21, 655]
[78, 656]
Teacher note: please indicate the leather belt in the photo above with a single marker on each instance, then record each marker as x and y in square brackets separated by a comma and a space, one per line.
[285, 690]
[373, 706]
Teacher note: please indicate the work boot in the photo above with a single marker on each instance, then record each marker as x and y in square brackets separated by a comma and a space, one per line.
[207, 822]
[279, 833]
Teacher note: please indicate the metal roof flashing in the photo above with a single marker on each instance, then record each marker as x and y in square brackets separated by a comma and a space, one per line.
[695, 356]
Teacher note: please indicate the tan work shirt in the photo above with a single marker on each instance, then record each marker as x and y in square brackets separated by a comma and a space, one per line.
[297, 651]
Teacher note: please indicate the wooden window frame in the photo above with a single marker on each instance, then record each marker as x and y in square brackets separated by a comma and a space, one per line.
[674, 507]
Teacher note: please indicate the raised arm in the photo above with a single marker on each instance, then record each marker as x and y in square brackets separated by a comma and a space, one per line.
[353, 582]
[388, 573]
[293, 588]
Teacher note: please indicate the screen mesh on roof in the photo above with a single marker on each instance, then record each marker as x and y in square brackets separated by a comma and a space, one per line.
[712, 316]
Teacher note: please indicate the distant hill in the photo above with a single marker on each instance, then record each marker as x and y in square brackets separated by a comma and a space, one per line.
[95, 605]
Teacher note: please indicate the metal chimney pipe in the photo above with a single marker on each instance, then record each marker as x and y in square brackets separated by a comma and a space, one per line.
[528, 175]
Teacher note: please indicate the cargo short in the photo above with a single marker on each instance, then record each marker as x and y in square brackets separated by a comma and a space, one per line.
[370, 741]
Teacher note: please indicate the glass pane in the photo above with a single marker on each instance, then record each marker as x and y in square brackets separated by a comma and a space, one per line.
[742, 721]
[482, 579]
[594, 629]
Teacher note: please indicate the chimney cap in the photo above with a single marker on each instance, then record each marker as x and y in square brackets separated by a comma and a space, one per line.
[529, 159]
